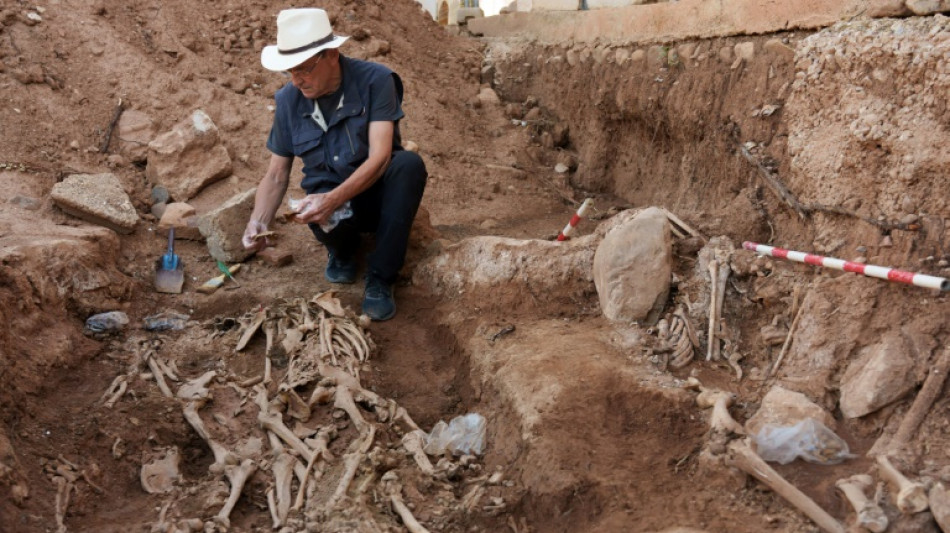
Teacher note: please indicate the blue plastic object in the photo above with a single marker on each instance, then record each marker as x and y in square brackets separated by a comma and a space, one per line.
[170, 259]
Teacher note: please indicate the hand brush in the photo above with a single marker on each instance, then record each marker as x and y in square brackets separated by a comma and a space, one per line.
[227, 272]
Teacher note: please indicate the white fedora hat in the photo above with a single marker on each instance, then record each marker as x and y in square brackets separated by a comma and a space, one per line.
[301, 34]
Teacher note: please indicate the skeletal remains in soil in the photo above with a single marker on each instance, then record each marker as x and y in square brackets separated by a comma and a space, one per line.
[910, 497]
[303, 485]
[677, 340]
[869, 514]
[741, 455]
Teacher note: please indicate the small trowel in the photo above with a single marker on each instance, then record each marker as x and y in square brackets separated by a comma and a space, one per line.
[169, 271]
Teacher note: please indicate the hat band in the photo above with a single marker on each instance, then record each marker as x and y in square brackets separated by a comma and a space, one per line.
[314, 44]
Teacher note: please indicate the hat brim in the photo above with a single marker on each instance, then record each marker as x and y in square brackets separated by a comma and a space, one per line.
[272, 59]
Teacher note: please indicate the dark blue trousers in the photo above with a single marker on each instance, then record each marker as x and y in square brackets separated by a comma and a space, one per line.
[387, 209]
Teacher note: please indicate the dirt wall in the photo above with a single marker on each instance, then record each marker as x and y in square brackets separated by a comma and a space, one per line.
[663, 124]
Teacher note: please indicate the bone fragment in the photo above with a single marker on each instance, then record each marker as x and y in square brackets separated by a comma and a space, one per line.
[394, 489]
[470, 500]
[115, 391]
[197, 389]
[272, 507]
[251, 329]
[788, 341]
[940, 506]
[63, 490]
[160, 475]
[221, 455]
[351, 463]
[869, 514]
[343, 399]
[911, 495]
[742, 456]
[321, 451]
[167, 369]
[272, 422]
[320, 395]
[712, 346]
[283, 468]
[925, 399]
[720, 421]
[675, 222]
[296, 407]
[237, 477]
[150, 357]
[413, 443]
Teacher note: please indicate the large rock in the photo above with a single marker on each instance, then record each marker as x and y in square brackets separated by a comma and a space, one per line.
[632, 268]
[96, 198]
[882, 373]
[135, 131]
[188, 158]
[223, 228]
[183, 218]
[782, 407]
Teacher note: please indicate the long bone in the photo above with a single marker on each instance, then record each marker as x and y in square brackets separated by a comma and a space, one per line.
[392, 487]
[413, 443]
[197, 389]
[869, 514]
[351, 463]
[321, 451]
[712, 342]
[157, 373]
[742, 456]
[221, 454]
[63, 490]
[272, 422]
[283, 469]
[237, 477]
[115, 391]
[929, 392]
[911, 496]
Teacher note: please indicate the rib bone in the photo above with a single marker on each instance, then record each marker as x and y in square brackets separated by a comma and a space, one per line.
[712, 345]
[869, 514]
[742, 456]
[911, 496]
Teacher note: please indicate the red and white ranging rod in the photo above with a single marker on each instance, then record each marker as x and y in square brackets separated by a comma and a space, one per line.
[581, 211]
[890, 274]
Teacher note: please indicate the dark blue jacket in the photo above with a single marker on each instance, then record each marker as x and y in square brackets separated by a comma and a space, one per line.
[330, 157]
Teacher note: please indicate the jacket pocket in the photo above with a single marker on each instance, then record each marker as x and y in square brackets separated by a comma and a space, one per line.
[308, 143]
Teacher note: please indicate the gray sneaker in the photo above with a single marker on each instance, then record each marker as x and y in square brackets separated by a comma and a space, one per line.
[340, 270]
[378, 303]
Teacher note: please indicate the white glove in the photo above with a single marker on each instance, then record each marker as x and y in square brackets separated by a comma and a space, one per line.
[253, 229]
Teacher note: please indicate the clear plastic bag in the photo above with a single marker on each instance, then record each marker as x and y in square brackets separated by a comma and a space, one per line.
[809, 439]
[107, 322]
[462, 436]
[343, 212]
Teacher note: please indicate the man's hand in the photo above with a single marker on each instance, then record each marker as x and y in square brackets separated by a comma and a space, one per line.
[316, 208]
[251, 241]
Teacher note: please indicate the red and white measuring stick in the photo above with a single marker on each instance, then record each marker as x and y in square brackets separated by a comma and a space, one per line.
[890, 274]
[581, 211]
